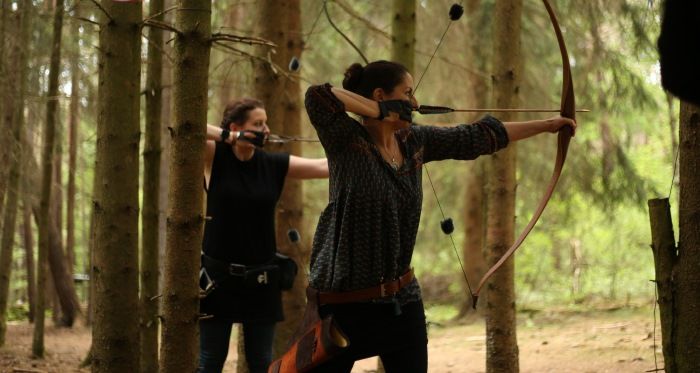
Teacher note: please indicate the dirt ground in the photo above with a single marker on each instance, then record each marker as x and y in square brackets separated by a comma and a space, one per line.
[586, 342]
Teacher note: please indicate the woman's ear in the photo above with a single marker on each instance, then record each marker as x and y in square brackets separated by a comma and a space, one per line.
[378, 94]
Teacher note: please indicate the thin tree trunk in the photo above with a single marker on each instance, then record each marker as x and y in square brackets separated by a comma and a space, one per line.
[62, 280]
[115, 324]
[73, 122]
[151, 186]
[403, 33]
[687, 290]
[6, 97]
[282, 98]
[47, 170]
[180, 306]
[502, 345]
[10, 210]
[28, 237]
[665, 258]
[475, 202]
[474, 228]
[55, 229]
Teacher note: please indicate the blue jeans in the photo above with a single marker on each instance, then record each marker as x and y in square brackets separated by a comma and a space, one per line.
[214, 336]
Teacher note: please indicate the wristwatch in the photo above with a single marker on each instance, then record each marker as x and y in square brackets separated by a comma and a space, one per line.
[225, 135]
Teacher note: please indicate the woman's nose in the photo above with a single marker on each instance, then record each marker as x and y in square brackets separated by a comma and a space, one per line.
[414, 101]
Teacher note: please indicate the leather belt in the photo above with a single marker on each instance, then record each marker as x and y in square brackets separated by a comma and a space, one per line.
[385, 289]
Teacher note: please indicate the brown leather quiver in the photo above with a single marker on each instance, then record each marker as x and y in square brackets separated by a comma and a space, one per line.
[318, 340]
[315, 341]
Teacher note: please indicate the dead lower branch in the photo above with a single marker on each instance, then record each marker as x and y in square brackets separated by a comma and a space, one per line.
[250, 40]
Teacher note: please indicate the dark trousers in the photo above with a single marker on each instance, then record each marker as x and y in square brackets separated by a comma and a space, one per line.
[401, 341]
[214, 336]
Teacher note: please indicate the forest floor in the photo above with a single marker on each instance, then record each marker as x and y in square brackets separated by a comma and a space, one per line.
[599, 341]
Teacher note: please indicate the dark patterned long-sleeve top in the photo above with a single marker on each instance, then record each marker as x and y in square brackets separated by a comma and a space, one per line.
[366, 234]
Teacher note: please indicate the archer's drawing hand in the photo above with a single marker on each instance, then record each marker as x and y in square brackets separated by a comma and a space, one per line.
[395, 110]
[252, 138]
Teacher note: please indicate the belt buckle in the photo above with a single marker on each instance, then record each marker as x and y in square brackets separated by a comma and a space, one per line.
[236, 269]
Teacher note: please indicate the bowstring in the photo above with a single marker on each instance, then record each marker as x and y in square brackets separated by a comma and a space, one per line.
[425, 166]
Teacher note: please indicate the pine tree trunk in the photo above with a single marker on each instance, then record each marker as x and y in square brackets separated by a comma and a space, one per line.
[6, 97]
[73, 121]
[475, 202]
[282, 98]
[687, 280]
[115, 325]
[474, 228]
[17, 62]
[403, 33]
[151, 188]
[55, 230]
[180, 302]
[665, 258]
[46, 186]
[62, 279]
[28, 238]
[502, 346]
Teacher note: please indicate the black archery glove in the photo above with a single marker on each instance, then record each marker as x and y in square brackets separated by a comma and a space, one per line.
[403, 108]
[258, 140]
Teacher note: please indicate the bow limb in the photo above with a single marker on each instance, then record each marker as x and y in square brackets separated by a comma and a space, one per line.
[568, 110]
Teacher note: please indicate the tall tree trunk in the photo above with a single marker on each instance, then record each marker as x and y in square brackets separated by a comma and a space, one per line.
[28, 238]
[151, 188]
[687, 291]
[474, 228]
[56, 225]
[115, 327]
[282, 97]
[68, 303]
[73, 122]
[46, 182]
[403, 33]
[18, 61]
[10, 210]
[6, 96]
[502, 345]
[180, 306]
[230, 75]
[475, 202]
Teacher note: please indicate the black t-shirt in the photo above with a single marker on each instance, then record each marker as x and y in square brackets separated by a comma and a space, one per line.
[241, 201]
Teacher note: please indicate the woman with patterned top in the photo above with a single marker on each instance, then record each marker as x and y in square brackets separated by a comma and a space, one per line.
[243, 186]
[361, 258]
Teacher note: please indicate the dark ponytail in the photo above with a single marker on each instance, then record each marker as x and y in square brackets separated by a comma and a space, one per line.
[378, 74]
[236, 112]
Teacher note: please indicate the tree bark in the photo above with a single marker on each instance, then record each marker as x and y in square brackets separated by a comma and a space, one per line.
[665, 257]
[73, 122]
[180, 301]
[475, 202]
[17, 62]
[7, 43]
[151, 187]
[28, 238]
[47, 171]
[116, 207]
[687, 291]
[403, 33]
[282, 97]
[62, 279]
[502, 345]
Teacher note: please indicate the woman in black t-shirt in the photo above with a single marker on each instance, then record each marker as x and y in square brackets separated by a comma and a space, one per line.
[243, 185]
